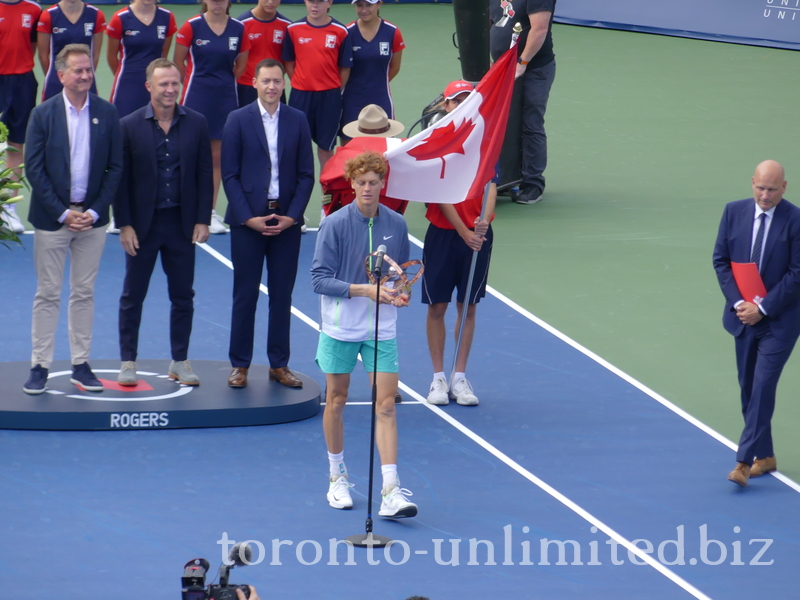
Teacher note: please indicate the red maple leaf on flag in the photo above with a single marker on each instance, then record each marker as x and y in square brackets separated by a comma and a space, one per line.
[445, 140]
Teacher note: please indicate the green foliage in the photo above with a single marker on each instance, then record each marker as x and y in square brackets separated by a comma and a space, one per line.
[9, 187]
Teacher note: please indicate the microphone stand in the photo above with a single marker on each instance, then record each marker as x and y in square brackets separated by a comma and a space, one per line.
[368, 539]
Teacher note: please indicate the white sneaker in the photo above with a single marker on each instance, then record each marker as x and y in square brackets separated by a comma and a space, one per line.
[217, 224]
[112, 227]
[339, 493]
[395, 504]
[13, 222]
[438, 393]
[463, 394]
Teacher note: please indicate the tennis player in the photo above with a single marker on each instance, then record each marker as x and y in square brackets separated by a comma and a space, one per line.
[348, 301]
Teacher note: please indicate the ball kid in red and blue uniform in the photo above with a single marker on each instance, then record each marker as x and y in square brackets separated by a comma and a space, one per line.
[318, 56]
[265, 27]
[137, 35]
[56, 30]
[17, 82]
[211, 53]
[377, 51]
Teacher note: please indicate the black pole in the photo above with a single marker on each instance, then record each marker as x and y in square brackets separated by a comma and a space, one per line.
[368, 538]
[472, 32]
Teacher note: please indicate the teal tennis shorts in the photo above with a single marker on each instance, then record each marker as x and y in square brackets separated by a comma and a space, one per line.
[336, 357]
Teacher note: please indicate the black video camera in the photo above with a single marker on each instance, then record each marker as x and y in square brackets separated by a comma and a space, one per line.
[194, 577]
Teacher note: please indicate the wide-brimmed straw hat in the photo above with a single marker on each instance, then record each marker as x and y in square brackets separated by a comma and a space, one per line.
[373, 122]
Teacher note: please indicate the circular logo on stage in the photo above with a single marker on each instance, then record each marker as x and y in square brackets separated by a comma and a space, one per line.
[150, 386]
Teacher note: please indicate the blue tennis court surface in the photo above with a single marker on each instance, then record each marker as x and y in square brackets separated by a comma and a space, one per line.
[536, 493]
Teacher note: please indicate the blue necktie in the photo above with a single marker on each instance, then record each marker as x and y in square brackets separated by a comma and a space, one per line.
[756, 255]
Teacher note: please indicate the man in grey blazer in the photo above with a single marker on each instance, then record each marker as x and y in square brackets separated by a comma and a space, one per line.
[73, 161]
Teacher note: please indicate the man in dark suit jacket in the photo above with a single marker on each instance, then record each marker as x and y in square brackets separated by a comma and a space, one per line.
[765, 230]
[268, 174]
[163, 205]
[73, 161]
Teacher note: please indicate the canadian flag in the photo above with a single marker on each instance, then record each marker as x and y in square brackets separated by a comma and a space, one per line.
[455, 158]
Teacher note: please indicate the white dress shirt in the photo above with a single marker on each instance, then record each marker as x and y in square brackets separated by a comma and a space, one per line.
[271, 130]
[756, 222]
[78, 129]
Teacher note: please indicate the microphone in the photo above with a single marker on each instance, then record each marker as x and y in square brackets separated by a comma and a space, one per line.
[379, 259]
[241, 554]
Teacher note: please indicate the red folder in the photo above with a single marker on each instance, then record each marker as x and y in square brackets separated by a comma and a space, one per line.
[748, 280]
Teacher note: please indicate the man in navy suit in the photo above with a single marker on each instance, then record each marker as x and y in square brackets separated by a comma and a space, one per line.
[268, 174]
[73, 161]
[765, 230]
[163, 206]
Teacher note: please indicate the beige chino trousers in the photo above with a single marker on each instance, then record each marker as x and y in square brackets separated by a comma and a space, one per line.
[50, 249]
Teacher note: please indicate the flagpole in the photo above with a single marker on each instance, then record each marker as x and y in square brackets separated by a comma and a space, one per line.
[463, 318]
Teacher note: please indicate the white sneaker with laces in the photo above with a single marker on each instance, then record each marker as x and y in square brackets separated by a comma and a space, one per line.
[339, 493]
[217, 224]
[13, 222]
[395, 504]
[438, 393]
[462, 392]
[112, 227]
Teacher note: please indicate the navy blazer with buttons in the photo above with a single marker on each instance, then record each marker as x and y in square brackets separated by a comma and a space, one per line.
[246, 167]
[780, 265]
[135, 202]
[47, 161]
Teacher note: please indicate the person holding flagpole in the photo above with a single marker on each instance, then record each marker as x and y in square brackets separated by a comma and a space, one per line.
[456, 231]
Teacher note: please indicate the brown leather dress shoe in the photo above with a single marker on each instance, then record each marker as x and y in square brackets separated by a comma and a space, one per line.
[285, 377]
[762, 466]
[238, 377]
[740, 474]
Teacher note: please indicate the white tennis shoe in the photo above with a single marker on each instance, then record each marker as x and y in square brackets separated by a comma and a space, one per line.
[438, 392]
[462, 392]
[339, 493]
[395, 505]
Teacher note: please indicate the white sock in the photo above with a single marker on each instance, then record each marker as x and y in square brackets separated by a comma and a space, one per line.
[337, 465]
[439, 375]
[457, 377]
[390, 478]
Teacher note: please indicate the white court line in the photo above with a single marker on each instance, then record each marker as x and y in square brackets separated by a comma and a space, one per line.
[637, 384]
[370, 403]
[300, 315]
[611, 533]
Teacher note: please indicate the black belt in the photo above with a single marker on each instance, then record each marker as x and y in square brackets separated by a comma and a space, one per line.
[273, 205]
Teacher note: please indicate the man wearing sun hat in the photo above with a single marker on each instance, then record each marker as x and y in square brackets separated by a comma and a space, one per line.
[374, 131]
